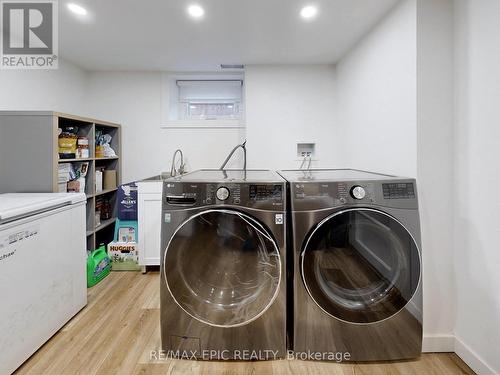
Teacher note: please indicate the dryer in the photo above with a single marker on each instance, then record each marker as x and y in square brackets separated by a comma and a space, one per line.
[356, 279]
[223, 289]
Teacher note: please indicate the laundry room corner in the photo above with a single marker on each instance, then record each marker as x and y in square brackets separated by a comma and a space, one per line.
[268, 187]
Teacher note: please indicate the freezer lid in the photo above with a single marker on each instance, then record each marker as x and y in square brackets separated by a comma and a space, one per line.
[18, 205]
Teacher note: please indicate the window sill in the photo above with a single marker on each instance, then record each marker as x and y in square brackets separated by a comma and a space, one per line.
[203, 124]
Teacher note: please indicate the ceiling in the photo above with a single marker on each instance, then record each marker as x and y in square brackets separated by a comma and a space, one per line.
[158, 35]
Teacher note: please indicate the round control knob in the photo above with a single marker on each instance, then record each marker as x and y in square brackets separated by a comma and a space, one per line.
[222, 193]
[358, 192]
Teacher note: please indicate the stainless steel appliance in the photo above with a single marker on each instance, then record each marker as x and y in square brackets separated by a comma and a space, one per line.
[357, 265]
[223, 289]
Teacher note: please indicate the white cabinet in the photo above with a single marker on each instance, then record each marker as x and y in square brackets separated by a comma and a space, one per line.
[149, 220]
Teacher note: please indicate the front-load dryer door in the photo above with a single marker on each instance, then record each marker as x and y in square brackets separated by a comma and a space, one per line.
[223, 268]
[360, 266]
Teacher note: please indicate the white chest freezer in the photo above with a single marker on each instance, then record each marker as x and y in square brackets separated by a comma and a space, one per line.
[42, 270]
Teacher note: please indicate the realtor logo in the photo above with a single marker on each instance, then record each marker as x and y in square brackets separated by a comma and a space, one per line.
[29, 34]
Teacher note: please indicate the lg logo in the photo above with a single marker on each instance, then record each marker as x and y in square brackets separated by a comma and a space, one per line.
[29, 34]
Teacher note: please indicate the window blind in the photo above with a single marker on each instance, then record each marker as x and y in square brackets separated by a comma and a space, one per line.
[210, 90]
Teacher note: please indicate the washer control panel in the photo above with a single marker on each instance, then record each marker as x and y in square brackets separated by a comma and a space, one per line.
[265, 192]
[269, 196]
[222, 193]
[245, 194]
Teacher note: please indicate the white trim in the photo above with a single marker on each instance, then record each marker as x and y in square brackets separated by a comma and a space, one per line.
[472, 359]
[438, 344]
[453, 344]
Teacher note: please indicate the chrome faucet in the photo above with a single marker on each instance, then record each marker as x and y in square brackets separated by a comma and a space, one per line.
[182, 167]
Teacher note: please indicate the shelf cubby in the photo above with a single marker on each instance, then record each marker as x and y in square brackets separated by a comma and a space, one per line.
[37, 170]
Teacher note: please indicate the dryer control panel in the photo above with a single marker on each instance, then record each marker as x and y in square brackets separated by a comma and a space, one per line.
[319, 195]
[399, 190]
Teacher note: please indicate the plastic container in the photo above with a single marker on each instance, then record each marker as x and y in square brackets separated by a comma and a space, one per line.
[67, 145]
[82, 148]
[99, 151]
[98, 266]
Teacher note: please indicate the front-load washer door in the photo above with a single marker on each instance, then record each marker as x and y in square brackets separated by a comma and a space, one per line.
[223, 268]
[360, 266]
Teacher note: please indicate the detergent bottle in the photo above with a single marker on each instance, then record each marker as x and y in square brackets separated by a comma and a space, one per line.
[98, 266]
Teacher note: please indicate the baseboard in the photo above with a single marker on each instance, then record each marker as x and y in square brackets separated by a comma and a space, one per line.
[450, 344]
[438, 344]
[474, 361]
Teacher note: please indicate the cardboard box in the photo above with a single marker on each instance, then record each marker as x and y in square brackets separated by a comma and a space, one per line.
[109, 179]
[76, 186]
[124, 256]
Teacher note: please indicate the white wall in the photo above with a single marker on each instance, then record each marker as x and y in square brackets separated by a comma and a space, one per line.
[477, 158]
[289, 104]
[435, 168]
[377, 101]
[134, 100]
[376, 82]
[284, 105]
[362, 113]
[62, 90]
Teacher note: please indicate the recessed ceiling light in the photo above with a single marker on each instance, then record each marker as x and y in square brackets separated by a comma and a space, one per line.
[77, 9]
[195, 11]
[309, 12]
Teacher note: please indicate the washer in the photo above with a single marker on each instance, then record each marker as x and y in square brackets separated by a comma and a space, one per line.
[357, 292]
[223, 284]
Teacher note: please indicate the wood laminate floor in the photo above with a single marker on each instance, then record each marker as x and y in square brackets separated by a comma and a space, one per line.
[116, 332]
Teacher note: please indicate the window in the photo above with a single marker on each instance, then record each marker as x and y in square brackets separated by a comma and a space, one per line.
[208, 100]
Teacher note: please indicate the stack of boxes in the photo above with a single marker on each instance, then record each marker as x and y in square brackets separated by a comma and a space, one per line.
[123, 250]
[71, 177]
[63, 176]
